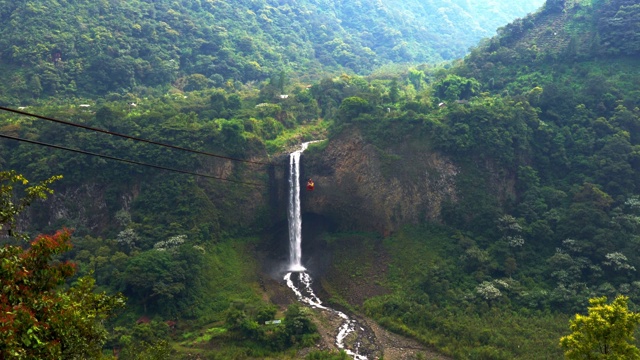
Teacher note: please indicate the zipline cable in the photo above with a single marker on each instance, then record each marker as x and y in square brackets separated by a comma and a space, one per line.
[131, 137]
[125, 160]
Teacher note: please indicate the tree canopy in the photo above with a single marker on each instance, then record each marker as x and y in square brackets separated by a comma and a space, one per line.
[607, 332]
[94, 48]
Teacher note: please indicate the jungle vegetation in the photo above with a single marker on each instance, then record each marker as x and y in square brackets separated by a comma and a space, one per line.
[92, 48]
[551, 103]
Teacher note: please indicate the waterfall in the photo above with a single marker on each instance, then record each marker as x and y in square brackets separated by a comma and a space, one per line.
[295, 218]
[296, 278]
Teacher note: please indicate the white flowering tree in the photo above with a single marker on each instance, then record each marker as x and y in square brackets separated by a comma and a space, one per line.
[492, 291]
[170, 244]
[128, 239]
[511, 231]
[618, 262]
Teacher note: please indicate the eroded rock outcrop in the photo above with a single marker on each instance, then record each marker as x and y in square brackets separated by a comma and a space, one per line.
[362, 187]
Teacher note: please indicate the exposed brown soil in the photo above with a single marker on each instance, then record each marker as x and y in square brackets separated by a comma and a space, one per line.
[382, 343]
[397, 347]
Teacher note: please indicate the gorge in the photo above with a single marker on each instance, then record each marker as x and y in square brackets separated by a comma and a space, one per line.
[470, 207]
[297, 279]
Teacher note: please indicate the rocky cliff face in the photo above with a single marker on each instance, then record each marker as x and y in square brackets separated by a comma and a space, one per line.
[90, 207]
[362, 187]
[358, 187]
[81, 207]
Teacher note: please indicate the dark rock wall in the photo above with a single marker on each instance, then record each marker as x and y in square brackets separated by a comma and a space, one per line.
[362, 187]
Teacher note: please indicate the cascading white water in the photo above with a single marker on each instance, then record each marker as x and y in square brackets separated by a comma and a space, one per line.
[295, 219]
[302, 287]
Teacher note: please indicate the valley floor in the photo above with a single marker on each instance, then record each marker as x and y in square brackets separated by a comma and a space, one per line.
[378, 341]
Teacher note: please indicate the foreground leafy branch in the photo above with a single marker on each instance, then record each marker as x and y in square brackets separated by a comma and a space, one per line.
[39, 320]
[11, 207]
[605, 333]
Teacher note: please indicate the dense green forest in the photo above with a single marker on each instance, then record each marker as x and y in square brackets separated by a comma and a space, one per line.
[89, 48]
[550, 105]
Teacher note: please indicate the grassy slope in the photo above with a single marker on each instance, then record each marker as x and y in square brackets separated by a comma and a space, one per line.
[416, 287]
[230, 276]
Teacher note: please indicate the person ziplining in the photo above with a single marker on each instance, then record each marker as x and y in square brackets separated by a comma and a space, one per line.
[310, 185]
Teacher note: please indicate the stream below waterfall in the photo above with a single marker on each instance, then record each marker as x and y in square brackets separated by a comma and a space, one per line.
[349, 335]
[300, 283]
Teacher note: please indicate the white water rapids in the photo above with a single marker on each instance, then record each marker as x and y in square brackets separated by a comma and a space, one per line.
[297, 278]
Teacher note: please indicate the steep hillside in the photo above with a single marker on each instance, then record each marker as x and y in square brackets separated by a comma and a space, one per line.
[474, 209]
[536, 50]
[87, 48]
[541, 125]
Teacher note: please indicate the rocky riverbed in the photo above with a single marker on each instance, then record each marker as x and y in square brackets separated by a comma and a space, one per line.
[373, 341]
